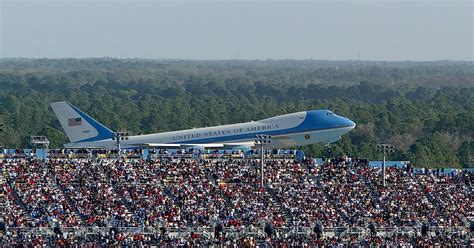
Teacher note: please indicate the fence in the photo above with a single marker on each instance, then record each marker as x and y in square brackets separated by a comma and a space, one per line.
[250, 231]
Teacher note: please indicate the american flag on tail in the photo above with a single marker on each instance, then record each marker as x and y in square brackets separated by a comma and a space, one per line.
[74, 122]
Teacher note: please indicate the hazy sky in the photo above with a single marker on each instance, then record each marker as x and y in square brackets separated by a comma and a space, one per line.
[259, 29]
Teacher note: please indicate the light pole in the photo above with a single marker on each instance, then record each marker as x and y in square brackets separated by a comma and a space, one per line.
[118, 137]
[262, 139]
[43, 141]
[385, 148]
[1, 128]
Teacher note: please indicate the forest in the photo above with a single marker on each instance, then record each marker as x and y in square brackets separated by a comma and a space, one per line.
[426, 109]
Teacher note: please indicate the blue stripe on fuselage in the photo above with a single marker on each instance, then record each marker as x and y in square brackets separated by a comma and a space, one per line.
[313, 122]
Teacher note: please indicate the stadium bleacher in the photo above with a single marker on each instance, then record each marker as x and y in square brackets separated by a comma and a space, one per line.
[176, 200]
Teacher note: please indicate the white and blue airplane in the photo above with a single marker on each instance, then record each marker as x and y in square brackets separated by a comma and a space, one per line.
[289, 130]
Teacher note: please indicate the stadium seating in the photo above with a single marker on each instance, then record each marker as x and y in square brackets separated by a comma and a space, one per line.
[181, 201]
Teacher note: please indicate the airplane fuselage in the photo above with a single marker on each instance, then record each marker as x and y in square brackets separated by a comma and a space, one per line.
[289, 130]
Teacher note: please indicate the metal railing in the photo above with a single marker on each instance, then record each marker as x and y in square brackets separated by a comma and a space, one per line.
[248, 231]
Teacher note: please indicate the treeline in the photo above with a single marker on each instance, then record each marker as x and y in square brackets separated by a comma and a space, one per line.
[425, 109]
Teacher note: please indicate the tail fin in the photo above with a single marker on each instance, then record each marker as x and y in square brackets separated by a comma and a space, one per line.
[79, 127]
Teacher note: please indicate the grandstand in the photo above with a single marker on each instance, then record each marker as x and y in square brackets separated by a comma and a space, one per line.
[89, 197]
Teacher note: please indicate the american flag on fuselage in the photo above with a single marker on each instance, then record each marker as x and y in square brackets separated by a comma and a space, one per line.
[74, 122]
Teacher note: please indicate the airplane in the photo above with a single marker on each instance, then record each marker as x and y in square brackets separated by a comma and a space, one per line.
[289, 130]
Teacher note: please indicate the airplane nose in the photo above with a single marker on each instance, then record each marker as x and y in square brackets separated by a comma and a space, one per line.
[352, 124]
[341, 122]
[348, 123]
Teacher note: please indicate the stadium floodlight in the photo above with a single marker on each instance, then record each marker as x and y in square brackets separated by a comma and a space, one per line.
[385, 148]
[41, 141]
[118, 137]
[262, 139]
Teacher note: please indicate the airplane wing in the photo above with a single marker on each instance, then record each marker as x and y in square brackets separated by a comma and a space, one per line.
[245, 144]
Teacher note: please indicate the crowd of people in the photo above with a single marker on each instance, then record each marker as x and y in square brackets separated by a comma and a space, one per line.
[346, 181]
[36, 197]
[227, 193]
